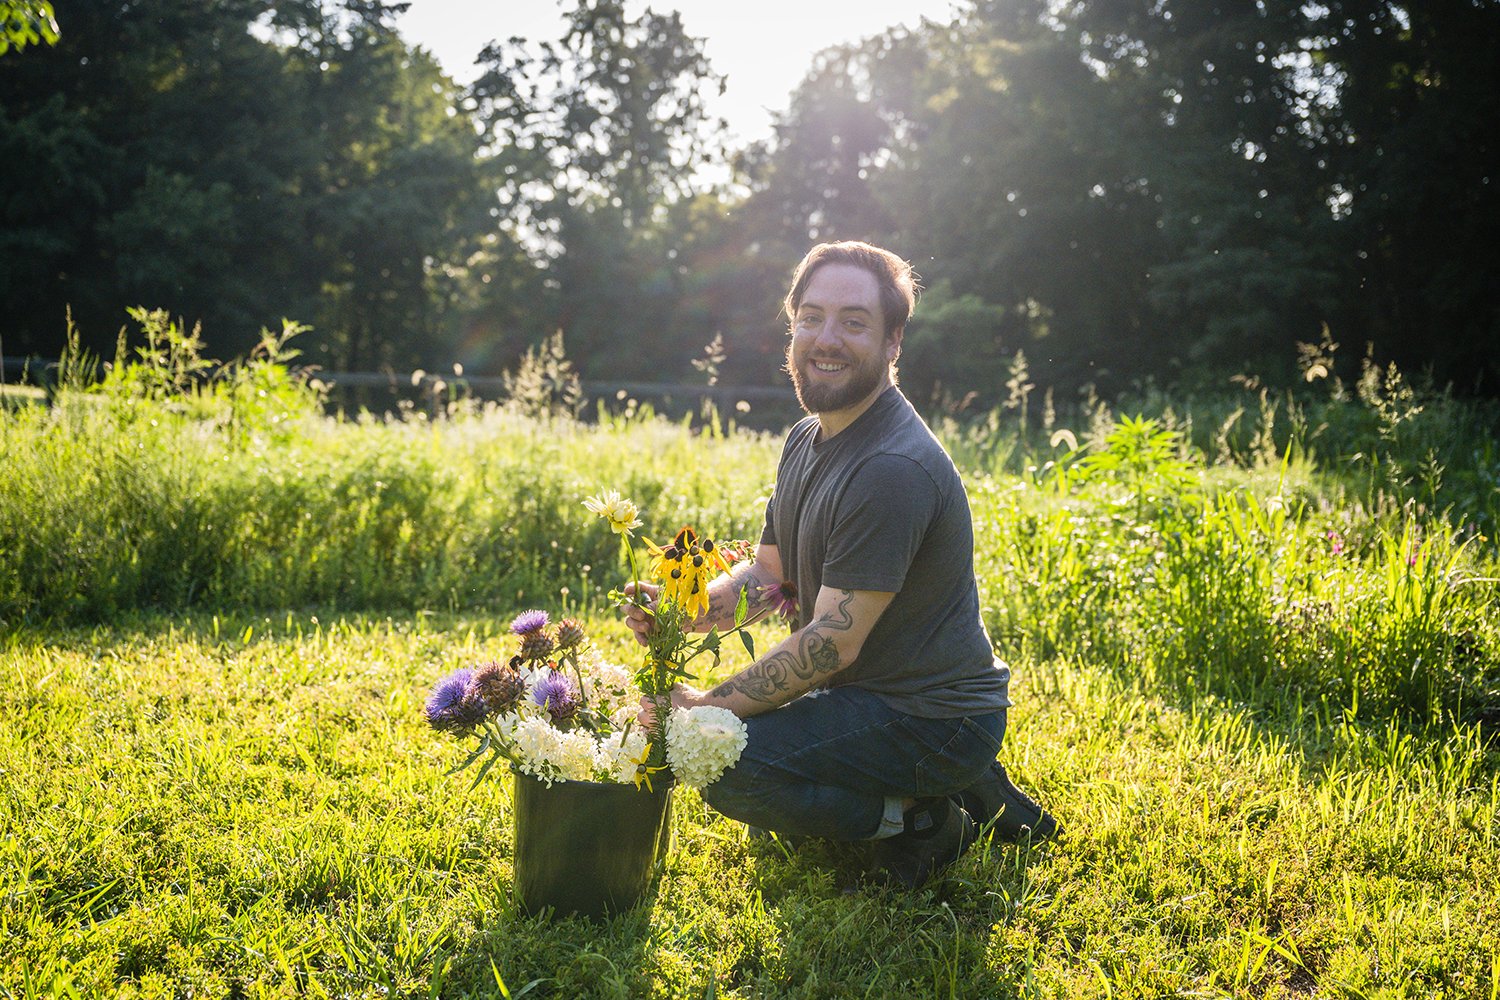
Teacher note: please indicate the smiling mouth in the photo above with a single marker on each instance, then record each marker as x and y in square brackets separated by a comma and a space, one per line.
[830, 367]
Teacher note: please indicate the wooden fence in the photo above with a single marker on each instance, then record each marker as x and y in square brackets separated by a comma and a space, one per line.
[431, 389]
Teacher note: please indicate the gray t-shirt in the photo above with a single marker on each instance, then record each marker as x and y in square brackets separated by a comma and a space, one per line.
[880, 506]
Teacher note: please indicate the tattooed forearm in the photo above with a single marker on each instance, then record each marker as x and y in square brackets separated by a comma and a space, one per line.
[724, 597]
[804, 659]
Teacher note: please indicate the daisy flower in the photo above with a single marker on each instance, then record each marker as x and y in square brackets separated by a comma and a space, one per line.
[623, 515]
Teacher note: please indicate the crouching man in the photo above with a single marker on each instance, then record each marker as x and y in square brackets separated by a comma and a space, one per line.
[880, 717]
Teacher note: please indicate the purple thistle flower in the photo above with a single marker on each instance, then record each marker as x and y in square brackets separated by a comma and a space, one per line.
[497, 686]
[447, 708]
[557, 695]
[528, 622]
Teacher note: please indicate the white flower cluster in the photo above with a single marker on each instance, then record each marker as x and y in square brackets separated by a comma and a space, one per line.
[606, 685]
[703, 743]
[618, 754]
[549, 754]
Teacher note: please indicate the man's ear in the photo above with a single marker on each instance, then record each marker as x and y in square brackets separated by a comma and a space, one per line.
[893, 344]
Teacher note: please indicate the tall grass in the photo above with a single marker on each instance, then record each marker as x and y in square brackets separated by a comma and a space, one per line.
[174, 483]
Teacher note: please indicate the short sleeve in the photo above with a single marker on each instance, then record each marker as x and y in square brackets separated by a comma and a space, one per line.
[879, 523]
[768, 533]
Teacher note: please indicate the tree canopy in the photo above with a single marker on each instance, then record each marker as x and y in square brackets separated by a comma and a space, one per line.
[1118, 189]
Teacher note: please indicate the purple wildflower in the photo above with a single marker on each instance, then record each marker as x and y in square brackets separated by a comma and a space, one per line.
[528, 622]
[557, 695]
[497, 686]
[536, 645]
[447, 708]
[569, 634]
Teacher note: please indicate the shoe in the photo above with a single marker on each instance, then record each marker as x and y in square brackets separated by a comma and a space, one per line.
[936, 832]
[1008, 813]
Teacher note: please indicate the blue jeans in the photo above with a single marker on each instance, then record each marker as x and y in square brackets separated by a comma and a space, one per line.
[824, 766]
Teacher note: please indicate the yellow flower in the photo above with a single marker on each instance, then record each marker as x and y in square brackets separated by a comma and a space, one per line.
[684, 569]
[643, 771]
[622, 514]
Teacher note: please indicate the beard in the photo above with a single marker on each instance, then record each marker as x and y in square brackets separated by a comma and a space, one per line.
[861, 381]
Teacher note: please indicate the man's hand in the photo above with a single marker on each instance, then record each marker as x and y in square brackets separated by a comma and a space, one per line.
[683, 696]
[639, 619]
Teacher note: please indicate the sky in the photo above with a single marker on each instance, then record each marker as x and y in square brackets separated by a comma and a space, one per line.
[764, 47]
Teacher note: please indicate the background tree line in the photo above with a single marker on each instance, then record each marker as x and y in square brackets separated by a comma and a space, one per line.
[1118, 189]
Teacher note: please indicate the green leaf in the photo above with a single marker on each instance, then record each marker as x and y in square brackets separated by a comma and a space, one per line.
[483, 770]
[742, 607]
[749, 642]
[484, 745]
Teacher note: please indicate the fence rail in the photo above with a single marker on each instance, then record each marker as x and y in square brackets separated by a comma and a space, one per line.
[39, 371]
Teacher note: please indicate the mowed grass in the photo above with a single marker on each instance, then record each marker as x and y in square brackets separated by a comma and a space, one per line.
[251, 806]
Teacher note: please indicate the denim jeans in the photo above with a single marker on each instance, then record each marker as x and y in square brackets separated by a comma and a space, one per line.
[824, 765]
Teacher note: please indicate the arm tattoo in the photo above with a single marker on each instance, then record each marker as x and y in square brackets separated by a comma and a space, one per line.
[722, 599]
[816, 656]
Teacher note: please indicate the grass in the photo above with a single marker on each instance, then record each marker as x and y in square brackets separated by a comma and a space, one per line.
[243, 806]
[1257, 677]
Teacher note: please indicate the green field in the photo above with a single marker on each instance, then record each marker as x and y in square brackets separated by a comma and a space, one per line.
[1258, 679]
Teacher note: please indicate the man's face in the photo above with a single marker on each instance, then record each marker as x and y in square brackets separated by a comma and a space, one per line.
[838, 354]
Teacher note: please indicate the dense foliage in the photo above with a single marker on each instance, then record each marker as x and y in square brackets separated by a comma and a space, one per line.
[1111, 188]
[1349, 558]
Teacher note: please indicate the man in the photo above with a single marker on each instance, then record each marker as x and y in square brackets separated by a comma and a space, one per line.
[881, 715]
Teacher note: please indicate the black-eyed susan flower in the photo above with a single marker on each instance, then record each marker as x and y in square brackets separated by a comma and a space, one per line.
[644, 771]
[684, 568]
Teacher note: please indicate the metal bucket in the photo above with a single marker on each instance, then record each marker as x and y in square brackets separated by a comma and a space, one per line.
[586, 847]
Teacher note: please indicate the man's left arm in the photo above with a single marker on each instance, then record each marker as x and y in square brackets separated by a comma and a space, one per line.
[842, 620]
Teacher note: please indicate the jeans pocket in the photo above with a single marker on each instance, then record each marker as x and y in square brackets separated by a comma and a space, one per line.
[964, 758]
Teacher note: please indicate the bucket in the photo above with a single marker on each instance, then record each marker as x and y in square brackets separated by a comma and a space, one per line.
[586, 847]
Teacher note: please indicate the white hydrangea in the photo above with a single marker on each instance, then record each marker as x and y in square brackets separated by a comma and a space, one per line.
[703, 743]
[578, 752]
[607, 687]
[549, 755]
[618, 754]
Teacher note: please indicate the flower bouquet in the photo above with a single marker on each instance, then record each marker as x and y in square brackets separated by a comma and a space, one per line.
[592, 785]
[559, 711]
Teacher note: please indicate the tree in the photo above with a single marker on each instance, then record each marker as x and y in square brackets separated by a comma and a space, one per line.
[592, 138]
[26, 22]
[234, 178]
